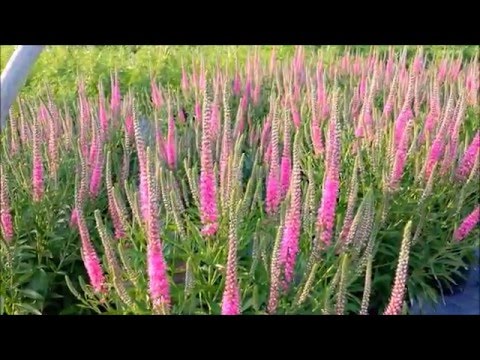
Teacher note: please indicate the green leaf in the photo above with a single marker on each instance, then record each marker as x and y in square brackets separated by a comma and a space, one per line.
[30, 308]
[247, 304]
[23, 278]
[40, 281]
[82, 284]
[31, 294]
[255, 298]
[72, 288]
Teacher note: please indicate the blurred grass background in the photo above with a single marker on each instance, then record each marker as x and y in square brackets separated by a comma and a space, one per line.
[59, 66]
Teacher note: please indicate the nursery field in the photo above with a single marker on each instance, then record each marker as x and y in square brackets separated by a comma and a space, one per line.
[240, 180]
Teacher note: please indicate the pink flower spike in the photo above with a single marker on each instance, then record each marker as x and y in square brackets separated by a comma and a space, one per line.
[171, 147]
[157, 98]
[181, 116]
[434, 156]
[161, 145]
[331, 183]
[289, 246]
[208, 189]
[143, 189]
[231, 298]
[316, 134]
[237, 86]
[273, 191]
[268, 154]
[159, 289]
[198, 111]
[115, 101]
[244, 103]
[90, 257]
[129, 125]
[6, 222]
[231, 294]
[295, 115]
[418, 64]
[256, 93]
[74, 218]
[185, 84]
[157, 276]
[469, 157]
[400, 159]
[326, 212]
[442, 71]
[397, 296]
[215, 121]
[37, 174]
[285, 171]
[405, 116]
[264, 138]
[272, 62]
[467, 225]
[97, 161]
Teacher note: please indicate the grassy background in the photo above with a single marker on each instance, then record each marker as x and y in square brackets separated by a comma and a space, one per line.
[58, 66]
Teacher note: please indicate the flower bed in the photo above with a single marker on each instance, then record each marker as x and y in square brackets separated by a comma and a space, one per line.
[286, 186]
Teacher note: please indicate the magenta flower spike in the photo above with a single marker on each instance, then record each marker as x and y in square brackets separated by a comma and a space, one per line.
[289, 246]
[469, 157]
[331, 184]
[400, 159]
[90, 257]
[159, 289]
[285, 164]
[96, 177]
[231, 293]
[115, 101]
[433, 115]
[442, 71]
[157, 97]
[208, 186]
[102, 113]
[6, 222]
[171, 147]
[198, 111]
[158, 282]
[467, 225]
[273, 191]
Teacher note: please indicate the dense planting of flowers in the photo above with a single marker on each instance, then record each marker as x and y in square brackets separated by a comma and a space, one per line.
[298, 185]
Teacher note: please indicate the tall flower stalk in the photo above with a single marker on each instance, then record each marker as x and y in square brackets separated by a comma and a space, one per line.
[395, 304]
[290, 242]
[331, 183]
[112, 206]
[231, 293]
[273, 180]
[159, 289]
[6, 222]
[285, 165]
[208, 186]
[37, 174]
[89, 255]
[142, 162]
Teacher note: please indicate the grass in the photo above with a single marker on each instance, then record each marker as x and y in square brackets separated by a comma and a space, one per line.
[59, 66]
